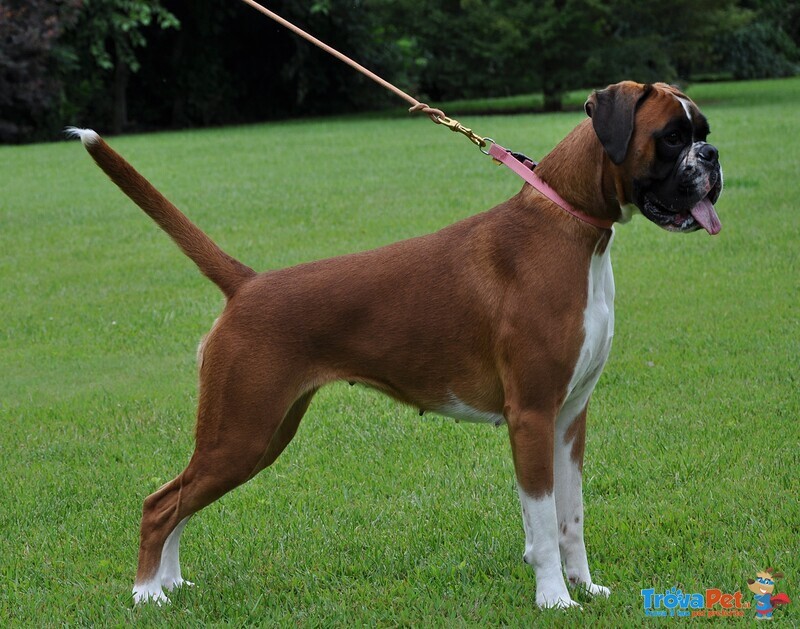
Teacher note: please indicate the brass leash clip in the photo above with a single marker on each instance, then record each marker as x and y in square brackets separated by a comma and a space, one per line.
[456, 126]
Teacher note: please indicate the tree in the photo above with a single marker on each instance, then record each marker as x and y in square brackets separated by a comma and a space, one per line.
[649, 40]
[29, 55]
[766, 43]
[564, 34]
[229, 64]
[112, 30]
[201, 62]
[318, 80]
[458, 48]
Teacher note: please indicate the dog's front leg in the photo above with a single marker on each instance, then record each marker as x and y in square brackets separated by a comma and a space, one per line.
[532, 440]
[569, 448]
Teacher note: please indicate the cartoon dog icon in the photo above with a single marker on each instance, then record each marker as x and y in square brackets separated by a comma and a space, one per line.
[762, 587]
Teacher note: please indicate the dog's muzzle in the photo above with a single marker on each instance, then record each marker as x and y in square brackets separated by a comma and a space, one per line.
[691, 206]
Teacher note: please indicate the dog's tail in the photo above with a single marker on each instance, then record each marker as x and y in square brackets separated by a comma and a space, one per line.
[216, 265]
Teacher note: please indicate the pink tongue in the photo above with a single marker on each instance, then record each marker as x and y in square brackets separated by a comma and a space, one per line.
[705, 214]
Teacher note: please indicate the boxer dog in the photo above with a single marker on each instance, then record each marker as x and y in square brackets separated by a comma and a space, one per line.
[504, 317]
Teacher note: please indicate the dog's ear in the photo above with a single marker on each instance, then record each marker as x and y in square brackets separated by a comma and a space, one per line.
[750, 581]
[777, 575]
[613, 114]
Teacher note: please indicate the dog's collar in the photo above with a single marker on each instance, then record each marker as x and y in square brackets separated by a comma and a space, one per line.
[524, 168]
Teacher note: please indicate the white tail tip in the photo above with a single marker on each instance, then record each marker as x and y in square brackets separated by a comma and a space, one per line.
[87, 136]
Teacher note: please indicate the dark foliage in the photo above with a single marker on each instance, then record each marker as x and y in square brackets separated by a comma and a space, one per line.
[145, 64]
[31, 63]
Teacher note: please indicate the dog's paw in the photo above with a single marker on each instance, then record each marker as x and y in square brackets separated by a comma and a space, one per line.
[560, 601]
[592, 589]
[597, 590]
[172, 583]
[149, 593]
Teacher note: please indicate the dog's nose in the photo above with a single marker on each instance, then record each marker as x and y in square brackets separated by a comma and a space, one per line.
[708, 153]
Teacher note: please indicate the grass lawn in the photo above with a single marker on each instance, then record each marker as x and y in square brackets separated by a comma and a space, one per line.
[374, 516]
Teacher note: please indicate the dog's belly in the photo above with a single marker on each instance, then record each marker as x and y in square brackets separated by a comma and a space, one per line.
[461, 411]
[598, 325]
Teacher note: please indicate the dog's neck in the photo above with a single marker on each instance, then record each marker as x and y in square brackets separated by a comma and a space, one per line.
[571, 168]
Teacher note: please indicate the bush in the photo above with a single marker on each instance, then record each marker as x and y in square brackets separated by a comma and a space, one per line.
[760, 50]
[31, 63]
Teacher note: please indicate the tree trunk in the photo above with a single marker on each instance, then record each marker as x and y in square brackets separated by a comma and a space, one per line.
[178, 97]
[121, 75]
[552, 98]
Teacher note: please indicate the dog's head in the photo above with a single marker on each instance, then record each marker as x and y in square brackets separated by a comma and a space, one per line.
[655, 136]
[764, 583]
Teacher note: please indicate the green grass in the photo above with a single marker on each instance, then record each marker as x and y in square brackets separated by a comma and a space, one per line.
[374, 516]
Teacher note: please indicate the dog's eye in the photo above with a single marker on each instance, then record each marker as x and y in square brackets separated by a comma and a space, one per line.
[673, 139]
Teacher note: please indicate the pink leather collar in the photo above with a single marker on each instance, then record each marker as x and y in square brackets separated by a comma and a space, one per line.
[525, 170]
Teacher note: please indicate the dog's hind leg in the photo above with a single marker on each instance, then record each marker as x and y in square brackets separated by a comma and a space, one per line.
[286, 431]
[238, 434]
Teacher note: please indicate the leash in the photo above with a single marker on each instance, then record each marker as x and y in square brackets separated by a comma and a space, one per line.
[519, 163]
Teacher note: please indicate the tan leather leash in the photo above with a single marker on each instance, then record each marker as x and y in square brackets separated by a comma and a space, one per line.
[519, 163]
[437, 115]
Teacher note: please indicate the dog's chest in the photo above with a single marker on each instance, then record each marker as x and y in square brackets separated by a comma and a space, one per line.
[598, 327]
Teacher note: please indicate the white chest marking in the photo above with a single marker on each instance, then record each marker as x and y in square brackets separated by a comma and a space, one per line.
[598, 327]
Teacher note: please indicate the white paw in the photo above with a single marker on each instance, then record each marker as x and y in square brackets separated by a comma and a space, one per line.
[561, 601]
[590, 588]
[597, 590]
[149, 592]
[172, 583]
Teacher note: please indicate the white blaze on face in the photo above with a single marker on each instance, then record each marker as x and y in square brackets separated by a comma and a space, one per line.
[686, 107]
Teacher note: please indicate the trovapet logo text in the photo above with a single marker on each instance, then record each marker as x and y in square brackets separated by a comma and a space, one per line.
[674, 602]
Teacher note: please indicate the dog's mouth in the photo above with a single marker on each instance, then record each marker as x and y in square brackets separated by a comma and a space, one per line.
[701, 215]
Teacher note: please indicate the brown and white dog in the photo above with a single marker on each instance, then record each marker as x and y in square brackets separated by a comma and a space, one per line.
[504, 317]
